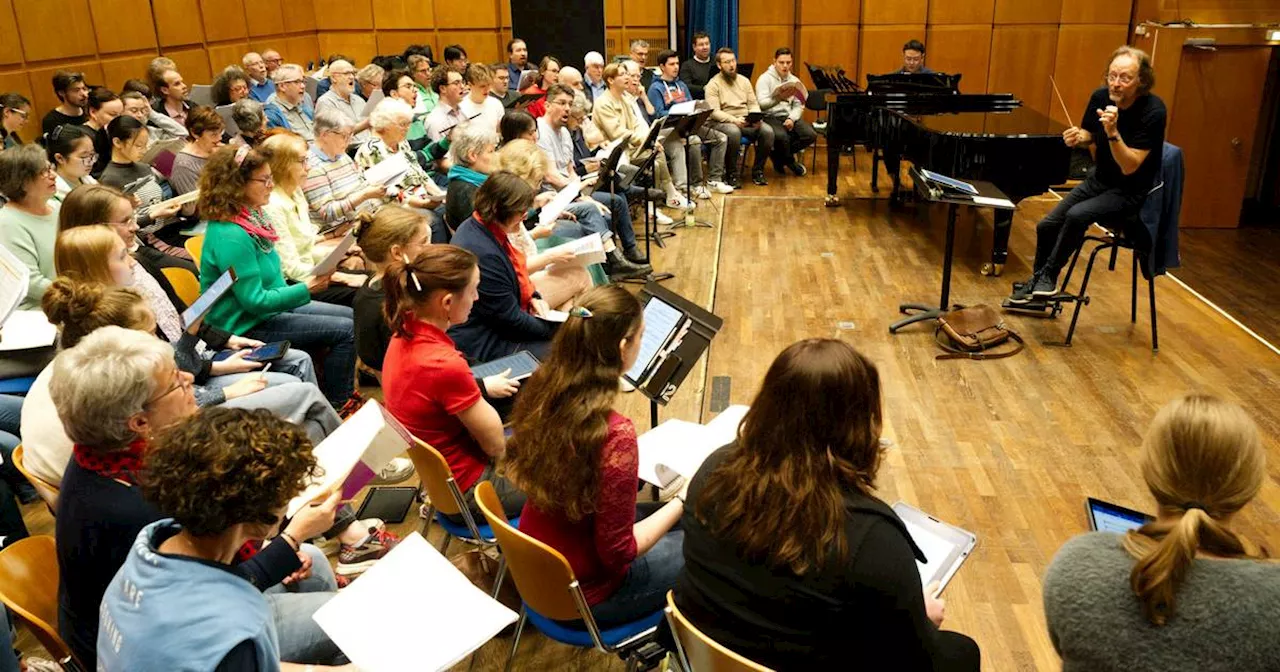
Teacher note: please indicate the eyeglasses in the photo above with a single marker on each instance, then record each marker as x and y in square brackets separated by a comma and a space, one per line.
[290, 81]
[21, 113]
[180, 382]
[1122, 78]
[89, 159]
[267, 181]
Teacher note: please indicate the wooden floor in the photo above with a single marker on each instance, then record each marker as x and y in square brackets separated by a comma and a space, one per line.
[1008, 449]
[1239, 270]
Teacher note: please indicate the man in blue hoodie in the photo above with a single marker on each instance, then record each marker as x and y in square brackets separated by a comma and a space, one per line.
[668, 90]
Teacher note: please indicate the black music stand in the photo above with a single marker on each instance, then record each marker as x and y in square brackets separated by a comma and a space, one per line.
[934, 192]
[687, 125]
[648, 164]
[697, 327]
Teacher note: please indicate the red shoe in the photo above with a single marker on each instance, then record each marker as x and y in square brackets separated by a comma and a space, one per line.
[355, 560]
[354, 403]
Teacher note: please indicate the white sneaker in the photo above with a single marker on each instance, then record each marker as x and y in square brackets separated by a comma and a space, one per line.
[701, 192]
[678, 202]
[720, 187]
[663, 219]
[398, 470]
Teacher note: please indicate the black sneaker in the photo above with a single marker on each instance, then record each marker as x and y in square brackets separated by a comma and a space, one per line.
[733, 181]
[798, 168]
[1042, 288]
[757, 176]
[1023, 283]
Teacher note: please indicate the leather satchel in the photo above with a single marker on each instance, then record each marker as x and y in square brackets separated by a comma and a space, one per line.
[482, 571]
[971, 333]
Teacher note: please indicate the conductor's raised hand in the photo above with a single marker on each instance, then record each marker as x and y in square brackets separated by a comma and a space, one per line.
[1108, 119]
[1074, 136]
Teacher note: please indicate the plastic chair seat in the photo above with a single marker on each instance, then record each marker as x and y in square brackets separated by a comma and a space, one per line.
[17, 385]
[461, 531]
[576, 636]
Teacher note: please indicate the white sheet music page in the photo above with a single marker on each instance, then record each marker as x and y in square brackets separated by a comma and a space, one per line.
[551, 211]
[13, 283]
[26, 330]
[662, 446]
[384, 621]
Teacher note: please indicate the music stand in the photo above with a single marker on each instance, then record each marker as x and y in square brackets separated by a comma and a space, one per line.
[687, 125]
[696, 328]
[919, 312]
[648, 150]
[608, 170]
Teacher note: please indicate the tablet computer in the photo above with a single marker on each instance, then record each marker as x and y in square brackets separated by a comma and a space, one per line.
[522, 365]
[200, 306]
[661, 322]
[1108, 517]
[945, 546]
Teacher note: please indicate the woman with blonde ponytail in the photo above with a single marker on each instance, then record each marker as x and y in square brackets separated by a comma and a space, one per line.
[1185, 592]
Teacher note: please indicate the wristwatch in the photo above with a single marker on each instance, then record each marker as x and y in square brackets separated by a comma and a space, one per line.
[1113, 138]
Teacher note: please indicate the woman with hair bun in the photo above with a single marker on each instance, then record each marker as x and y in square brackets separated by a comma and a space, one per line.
[1187, 591]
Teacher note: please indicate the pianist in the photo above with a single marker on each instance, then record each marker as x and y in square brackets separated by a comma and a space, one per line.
[913, 58]
[1125, 123]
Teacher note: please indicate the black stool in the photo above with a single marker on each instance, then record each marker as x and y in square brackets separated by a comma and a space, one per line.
[1116, 235]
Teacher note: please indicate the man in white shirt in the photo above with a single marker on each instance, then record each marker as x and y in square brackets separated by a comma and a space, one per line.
[343, 98]
[593, 83]
[447, 84]
[478, 106]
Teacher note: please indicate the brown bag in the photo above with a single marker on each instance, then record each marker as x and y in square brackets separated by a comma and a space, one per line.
[482, 571]
[970, 333]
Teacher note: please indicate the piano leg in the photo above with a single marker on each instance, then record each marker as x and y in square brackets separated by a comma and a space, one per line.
[999, 243]
[833, 173]
[875, 170]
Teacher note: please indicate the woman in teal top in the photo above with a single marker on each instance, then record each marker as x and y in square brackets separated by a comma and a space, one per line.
[234, 187]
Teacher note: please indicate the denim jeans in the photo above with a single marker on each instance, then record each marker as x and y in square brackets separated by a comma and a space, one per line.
[650, 576]
[299, 403]
[10, 422]
[1088, 202]
[301, 638]
[590, 219]
[296, 365]
[620, 214]
[313, 328]
[8, 659]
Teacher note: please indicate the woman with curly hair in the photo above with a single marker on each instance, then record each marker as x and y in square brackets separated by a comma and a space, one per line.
[578, 462]
[234, 189]
[790, 558]
[224, 478]
[230, 86]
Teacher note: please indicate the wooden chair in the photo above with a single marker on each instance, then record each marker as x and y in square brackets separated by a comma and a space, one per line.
[47, 491]
[29, 586]
[195, 245]
[551, 596]
[698, 652]
[446, 498]
[184, 283]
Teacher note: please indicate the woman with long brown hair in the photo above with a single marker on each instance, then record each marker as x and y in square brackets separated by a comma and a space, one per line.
[426, 381]
[791, 559]
[1187, 591]
[578, 462]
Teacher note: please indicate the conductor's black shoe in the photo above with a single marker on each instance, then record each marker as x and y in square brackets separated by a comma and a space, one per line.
[757, 176]
[1043, 287]
[1023, 283]
[798, 168]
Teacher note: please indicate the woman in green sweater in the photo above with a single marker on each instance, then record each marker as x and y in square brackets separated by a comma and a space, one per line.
[29, 221]
[234, 187]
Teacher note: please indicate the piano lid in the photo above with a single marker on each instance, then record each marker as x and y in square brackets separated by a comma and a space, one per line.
[1020, 121]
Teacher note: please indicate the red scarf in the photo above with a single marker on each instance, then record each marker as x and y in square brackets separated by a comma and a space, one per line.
[256, 223]
[125, 465]
[517, 261]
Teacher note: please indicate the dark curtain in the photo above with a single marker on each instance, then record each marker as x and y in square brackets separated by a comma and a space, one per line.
[566, 30]
[719, 18]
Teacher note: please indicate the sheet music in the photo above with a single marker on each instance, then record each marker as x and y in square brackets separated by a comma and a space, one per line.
[587, 250]
[678, 447]
[27, 330]
[339, 252]
[551, 211]
[370, 438]
[682, 109]
[13, 283]
[389, 171]
[661, 320]
[993, 202]
[382, 622]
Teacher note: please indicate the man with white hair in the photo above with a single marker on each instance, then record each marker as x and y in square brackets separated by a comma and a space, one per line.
[571, 77]
[287, 107]
[593, 83]
[343, 98]
[335, 188]
[260, 85]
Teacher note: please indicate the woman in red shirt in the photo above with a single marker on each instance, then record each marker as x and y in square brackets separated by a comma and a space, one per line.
[427, 383]
[578, 462]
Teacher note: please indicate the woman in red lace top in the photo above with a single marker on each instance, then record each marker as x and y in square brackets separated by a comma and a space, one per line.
[577, 461]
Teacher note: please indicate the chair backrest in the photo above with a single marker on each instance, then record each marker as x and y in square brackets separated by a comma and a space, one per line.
[700, 653]
[163, 162]
[47, 491]
[184, 283]
[29, 586]
[542, 575]
[195, 245]
[201, 94]
[312, 85]
[433, 472]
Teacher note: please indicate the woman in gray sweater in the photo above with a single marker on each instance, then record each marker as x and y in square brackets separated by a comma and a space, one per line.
[1184, 592]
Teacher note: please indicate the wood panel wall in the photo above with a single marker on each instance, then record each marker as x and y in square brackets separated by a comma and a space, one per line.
[1207, 11]
[113, 40]
[1009, 46]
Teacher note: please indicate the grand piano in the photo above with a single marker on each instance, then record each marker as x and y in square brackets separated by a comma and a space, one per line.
[926, 120]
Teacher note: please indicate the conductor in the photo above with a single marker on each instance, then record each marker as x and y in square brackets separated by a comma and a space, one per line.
[1125, 123]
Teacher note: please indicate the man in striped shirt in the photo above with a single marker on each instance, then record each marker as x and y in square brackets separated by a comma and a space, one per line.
[335, 189]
